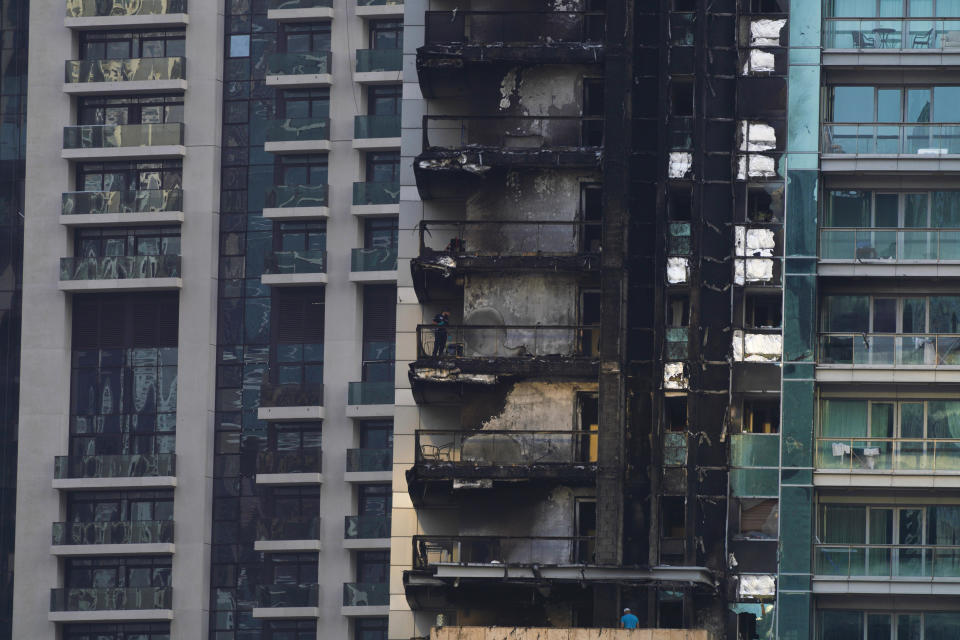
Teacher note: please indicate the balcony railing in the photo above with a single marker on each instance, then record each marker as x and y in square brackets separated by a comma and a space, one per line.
[125, 69]
[513, 27]
[513, 132]
[488, 447]
[296, 64]
[294, 129]
[366, 594]
[378, 3]
[887, 454]
[510, 237]
[887, 561]
[429, 551]
[374, 259]
[116, 136]
[379, 60]
[130, 532]
[376, 126]
[304, 460]
[365, 527]
[891, 33]
[119, 268]
[908, 245]
[305, 195]
[144, 200]
[920, 139]
[890, 350]
[365, 193]
[289, 528]
[507, 341]
[299, 4]
[370, 393]
[369, 459]
[111, 599]
[296, 262]
[99, 8]
[291, 395]
[288, 595]
[134, 465]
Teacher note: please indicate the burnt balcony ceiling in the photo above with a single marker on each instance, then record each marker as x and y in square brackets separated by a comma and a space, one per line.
[451, 248]
[456, 42]
[458, 150]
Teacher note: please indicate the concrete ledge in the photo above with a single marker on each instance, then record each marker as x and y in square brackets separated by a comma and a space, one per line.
[151, 482]
[286, 545]
[366, 543]
[377, 77]
[374, 209]
[118, 284]
[887, 586]
[839, 373]
[300, 15]
[286, 612]
[119, 153]
[122, 22]
[124, 86]
[113, 219]
[380, 10]
[373, 276]
[297, 213]
[887, 479]
[366, 611]
[289, 414]
[297, 146]
[153, 548]
[890, 57]
[376, 143]
[888, 269]
[288, 478]
[368, 476]
[889, 163]
[132, 615]
[302, 80]
[293, 279]
[370, 410]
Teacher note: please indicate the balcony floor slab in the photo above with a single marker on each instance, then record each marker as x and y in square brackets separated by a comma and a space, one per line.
[152, 548]
[290, 414]
[300, 15]
[131, 615]
[377, 77]
[379, 10]
[293, 279]
[124, 153]
[887, 479]
[289, 478]
[297, 213]
[148, 482]
[366, 543]
[121, 284]
[285, 546]
[282, 613]
[300, 81]
[358, 612]
[905, 374]
[124, 219]
[368, 476]
[370, 410]
[374, 209]
[124, 87]
[376, 143]
[830, 163]
[127, 22]
[886, 586]
[297, 146]
[890, 58]
[373, 276]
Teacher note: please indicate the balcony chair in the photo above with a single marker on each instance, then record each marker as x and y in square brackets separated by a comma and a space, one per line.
[925, 40]
[862, 41]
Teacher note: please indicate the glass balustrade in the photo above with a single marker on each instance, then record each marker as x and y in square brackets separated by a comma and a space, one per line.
[116, 136]
[892, 245]
[299, 4]
[920, 139]
[141, 201]
[370, 393]
[889, 350]
[295, 64]
[374, 259]
[288, 595]
[369, 460]
[887, 561]
[304, 460]
[110, 599]
[292, 196]
[291, 395]
[118, 8]
[888, 454]
[289, 528]
[884, 34]
[296, 262]
[125, 69]
[294, 129]
[366, 594]
[379, 60]
[119, 268]
[134, 465]
[129, 532]
[366, 526]
[376, 126]
[366, 193]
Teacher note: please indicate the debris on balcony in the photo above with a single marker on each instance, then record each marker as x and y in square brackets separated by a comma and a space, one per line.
[678, 270]
[754, 243]
[766, 33]
[753, 270]
[756, 136]
[674, 376]
[755, 166]
[757, 347]
[680, 164]
[758, 62]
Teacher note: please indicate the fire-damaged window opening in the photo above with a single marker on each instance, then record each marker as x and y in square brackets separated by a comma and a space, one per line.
[670, 609]
[762, 310]
[765, 202]
[769, 6]
[761, 415]
[681, 96]
[757, 518]
[673, 530]
[675, 413]
[684, 5]
[678, 310]
[680, 202]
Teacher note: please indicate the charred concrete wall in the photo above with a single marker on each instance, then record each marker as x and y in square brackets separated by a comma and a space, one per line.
[524, 298]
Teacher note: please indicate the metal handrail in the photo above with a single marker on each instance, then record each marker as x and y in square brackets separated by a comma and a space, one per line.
[888, 349]
[894, 138]
[489, 27]
[507, 341]
[895, 561]
[523, 127]
[888, 454]
[886, 33]
[502, 550]
[536, 232]
[503, 447]
[889, 243]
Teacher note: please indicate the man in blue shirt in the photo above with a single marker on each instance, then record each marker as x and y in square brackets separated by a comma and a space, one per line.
[628, 620]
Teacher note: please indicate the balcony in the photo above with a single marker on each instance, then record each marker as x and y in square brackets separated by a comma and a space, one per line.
[379, 8]
[94, 14]
[298, 135]
[104, 538]
[296, 466]
[111, 604]
[299, 10]
[290, 268]
[492, 457]
[115, 471]
[887, 569]
[911, 357]
[146, 206]
[375, 198]
[299, 70]
[369, 461]
[120, 272]
[451, 248]
[458, 41]
[373, 265]
[289, 534]
[872, 251]
[366, 531]
[378, 65]
[360, 597]
[891, 41]
[456, 150]
[376, 132]
[290, 402]
[371, 393]
[296, 202]
[887, 462]
[125, 75]
[435, 552]
[116, 141]
[287, 601]
[890, 147]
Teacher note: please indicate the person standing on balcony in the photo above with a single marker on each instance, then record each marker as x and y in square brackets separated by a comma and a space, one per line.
[628, 620]
[441, 321]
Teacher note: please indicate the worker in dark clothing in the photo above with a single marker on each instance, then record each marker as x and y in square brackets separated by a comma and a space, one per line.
[441, 321]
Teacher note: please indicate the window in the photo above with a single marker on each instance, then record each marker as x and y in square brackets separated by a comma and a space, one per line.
[683, 5]
[304, 37]
[240, 46]
[370, 629]
[373, 566]
[124, 176]
[835, 624]
[894, 104]
[680, 203]
[294, 436]
[379, 332]
[374, 500]
[300, 236]
[761, 415]
[300, 170]
[386, 34]
[380, 232]
[376, 434]
[681, 96]
[290, 630]
[893, 314]
[383, 166]
[675, 413]
[591, 214]
[673, 518]
[123, 572]
[119, 506]
[293, 505]
[298, 322]
[127, 241]
[911, 419]
[898, 210]
[122, 631]
[893, 8]
[291, 568]
[678, 310]
[129, 110]
[100, 45]
[384, 100]
[304, 103]
[757, 518]
[593, 112]
[762, 311]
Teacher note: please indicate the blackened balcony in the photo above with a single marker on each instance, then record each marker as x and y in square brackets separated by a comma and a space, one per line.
[98, 8]
[288, 528]
[488, 456]
[110, 599]
[457, 41]
[290, 401]
[367, 460]
[125, 75]
[303, 460]
[452, 248]
[135, 465]
[366, 527]
[456, 148]
[434, 552]
[366, 594]
[375, 193]
[129, 532]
